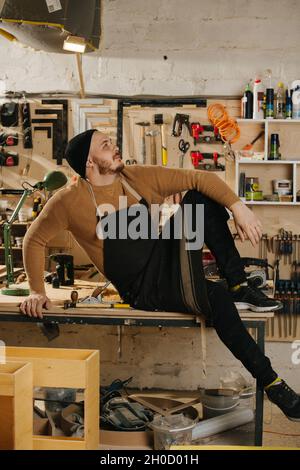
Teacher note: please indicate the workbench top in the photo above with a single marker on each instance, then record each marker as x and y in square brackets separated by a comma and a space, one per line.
[10, 304]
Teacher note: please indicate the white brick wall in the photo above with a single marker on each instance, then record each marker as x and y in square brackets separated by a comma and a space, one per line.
[211, 47]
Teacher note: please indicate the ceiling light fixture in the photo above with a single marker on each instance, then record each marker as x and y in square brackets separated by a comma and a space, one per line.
[75, 44]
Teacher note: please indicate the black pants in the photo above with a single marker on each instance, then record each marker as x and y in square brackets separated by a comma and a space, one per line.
[225, 316]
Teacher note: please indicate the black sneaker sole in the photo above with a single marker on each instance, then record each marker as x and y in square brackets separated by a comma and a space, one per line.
[255, 308]
[291, 418]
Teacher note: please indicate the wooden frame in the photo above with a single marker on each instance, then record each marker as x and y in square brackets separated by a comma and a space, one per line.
[69, 368]
[16, 406]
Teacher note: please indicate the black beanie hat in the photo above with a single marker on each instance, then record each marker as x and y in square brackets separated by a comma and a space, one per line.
[77, 151]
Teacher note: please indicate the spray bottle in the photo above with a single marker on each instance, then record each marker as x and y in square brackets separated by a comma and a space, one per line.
[258, 99]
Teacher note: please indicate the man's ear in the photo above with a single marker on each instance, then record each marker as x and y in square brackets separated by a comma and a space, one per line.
[89, 163]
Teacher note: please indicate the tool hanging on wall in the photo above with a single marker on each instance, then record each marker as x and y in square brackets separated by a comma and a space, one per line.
[288, 292]
[26, 123]
[131, 161]
[228, 127]
[284, 245]
[143, 125]
[183, 147]
[55, 112]
[159, 121]
[37, 207]
[64, 118]
[199, 164]
[197, 129]
[8, 158]
[10, 114]
[8, 139]
[152, 134]
[181, 120]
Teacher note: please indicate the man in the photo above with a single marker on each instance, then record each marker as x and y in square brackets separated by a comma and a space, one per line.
[157, 273]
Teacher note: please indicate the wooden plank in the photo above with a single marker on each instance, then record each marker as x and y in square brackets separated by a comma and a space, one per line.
[16, 419]
[6, 423]
[61, 368]
[91, 402]
[7, 386]
[58, 443]
[133, 314]
[8, 373]
[53, 353]
[54, 367]
[23, 401]
[54, 373]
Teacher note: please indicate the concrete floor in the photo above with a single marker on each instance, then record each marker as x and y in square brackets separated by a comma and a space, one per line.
[278, 431]
[276, 422]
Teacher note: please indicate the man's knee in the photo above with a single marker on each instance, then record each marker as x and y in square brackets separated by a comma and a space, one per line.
[195, 197]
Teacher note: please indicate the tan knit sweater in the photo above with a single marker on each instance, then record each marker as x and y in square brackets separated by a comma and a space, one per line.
[73, 209]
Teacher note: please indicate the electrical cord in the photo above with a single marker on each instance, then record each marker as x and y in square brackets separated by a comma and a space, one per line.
[281, 433]
[228, 127]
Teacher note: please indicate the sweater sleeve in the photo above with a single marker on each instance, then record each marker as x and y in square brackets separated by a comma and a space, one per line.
[168, 181]
[52, 220]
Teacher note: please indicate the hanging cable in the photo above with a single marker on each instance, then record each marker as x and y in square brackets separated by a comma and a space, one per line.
[228, 127]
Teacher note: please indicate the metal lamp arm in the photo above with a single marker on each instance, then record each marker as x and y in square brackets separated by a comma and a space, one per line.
[7, 237]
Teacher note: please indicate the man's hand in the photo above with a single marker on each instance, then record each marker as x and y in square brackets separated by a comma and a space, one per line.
[246, 223]
[33, 305]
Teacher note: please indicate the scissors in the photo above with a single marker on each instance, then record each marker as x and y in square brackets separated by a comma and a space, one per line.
[183, 147]
[131, 161]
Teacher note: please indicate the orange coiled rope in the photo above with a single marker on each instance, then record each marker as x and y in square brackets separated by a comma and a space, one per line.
[228, 127]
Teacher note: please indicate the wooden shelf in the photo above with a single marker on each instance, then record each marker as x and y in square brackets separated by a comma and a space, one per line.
[267, 162]
[271, 203]
[250, 120]
[288, 168]
[285, 121]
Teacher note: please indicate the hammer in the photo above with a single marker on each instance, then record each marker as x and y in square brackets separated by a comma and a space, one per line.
[143, 146]
[152, 134]
[159, 120]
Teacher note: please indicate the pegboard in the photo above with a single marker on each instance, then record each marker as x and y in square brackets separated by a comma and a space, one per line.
[130, 132]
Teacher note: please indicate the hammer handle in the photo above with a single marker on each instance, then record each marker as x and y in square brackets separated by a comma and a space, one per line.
[153, 151]
[164, 152]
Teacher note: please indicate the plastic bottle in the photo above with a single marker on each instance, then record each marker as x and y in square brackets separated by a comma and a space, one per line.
[274, 148]
[270, 103]
[243, 105]
[288, 104]
[258, 99]
[280, 101]
[296, 99]
[249, 104]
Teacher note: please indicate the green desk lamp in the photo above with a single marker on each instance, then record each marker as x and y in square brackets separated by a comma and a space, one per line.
[52, 181]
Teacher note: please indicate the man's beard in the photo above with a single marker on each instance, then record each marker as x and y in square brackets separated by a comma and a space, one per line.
[105, 168]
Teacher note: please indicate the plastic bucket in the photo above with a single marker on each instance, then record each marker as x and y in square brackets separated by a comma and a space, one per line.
[216, 402]
[167, 433]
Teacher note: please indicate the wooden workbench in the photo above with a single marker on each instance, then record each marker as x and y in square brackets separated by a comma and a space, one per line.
[9, 311]
[10, 304]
